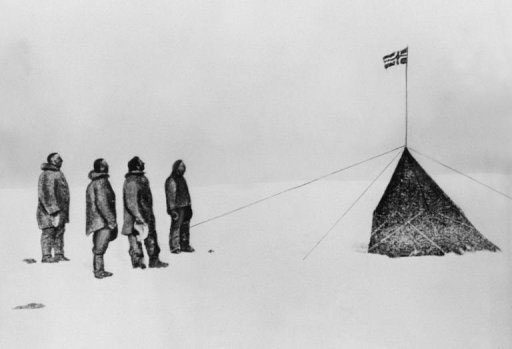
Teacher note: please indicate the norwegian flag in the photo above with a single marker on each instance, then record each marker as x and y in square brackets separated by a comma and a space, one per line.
[398, 57]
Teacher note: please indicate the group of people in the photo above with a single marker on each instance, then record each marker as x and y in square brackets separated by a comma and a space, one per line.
[101, 217]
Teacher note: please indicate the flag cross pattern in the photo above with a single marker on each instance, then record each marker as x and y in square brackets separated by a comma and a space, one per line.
[395, 58]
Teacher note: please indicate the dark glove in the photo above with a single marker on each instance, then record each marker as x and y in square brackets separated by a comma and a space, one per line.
[113, 234]
[188, 214]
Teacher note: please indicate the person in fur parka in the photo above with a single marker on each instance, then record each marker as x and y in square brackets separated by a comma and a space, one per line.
[179, 207]
[53, 209]
[139, 219]
[100, 215]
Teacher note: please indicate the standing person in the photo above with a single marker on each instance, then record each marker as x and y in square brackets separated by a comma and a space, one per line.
[52, 209]
[179, 207]
[139, 218]
[100, 215]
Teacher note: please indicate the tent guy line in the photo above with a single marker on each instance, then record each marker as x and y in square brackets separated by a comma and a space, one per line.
[463, 174]
[351, 206]
[295, 187]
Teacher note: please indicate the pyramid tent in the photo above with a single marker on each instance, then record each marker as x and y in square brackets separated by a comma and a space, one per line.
[416, 218]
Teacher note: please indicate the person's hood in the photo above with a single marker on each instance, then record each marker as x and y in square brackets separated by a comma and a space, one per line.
[97, 175]
[49, 167]
[175, 173]
[134, 173]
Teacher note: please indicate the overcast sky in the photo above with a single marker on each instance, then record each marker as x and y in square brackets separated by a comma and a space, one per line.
[250, 91]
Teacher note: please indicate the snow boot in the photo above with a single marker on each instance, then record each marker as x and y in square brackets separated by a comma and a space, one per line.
[48, 259]
[105, 274]
[102, 274]
[188, 249]
[61, 258]
[157, 263]
[138, 263]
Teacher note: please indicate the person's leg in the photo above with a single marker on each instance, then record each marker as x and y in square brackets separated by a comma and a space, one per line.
[152, 247]
[136, 253]
[46, 245]
[151, 243]
[59, 244]
[97, 261]
[174, 236]
[101, 239]
[185, 231]
[185, 238]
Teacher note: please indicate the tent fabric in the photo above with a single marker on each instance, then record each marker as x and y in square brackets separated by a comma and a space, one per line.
[416, 218]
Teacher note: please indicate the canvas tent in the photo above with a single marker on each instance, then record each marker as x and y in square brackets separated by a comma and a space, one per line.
[415, 217]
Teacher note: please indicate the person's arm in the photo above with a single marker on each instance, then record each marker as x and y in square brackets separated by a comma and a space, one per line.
[170, 193]
[132, 200]
[104, 206]
[47, 195]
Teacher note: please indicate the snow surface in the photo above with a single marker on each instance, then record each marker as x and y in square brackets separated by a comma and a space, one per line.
[255, 291]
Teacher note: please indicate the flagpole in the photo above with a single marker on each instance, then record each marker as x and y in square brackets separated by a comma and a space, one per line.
[406, 111]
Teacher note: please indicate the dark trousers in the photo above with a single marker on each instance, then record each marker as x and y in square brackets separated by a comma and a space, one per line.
[179, 236]
[52, 238]
[100, 240]
[136, 252]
